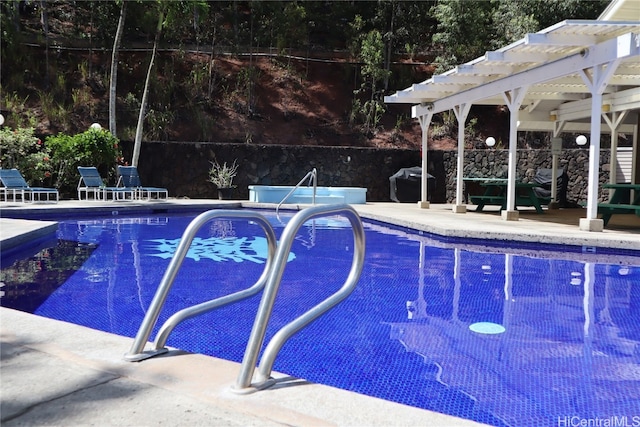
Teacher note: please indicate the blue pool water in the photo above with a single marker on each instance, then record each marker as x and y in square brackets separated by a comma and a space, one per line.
[510, 336]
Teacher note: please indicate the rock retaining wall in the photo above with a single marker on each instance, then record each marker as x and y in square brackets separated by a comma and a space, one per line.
[575, 162]
[182, 167]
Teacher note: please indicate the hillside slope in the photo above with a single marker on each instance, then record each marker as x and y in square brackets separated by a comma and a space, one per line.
[292, 101]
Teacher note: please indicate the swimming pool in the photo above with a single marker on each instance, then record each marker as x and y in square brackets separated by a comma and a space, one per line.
[408, 333]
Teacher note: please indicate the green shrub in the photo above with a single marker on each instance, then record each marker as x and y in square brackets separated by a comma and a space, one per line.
[95, 147]
[21, 149]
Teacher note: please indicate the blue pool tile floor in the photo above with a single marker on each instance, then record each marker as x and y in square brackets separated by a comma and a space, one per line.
[56, 373]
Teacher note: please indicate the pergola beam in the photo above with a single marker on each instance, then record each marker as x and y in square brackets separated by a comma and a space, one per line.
[561, 79]
[619, 101]
[560, 39]
[620, 47]
[521, 57]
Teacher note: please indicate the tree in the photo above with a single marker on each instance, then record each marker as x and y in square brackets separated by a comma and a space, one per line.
[467, 29]
[291, 27]
[145, 92]
[373, 72]
[405, 26]
[389, 38]
[114, 68]
[44, 20]
[9, 27]
[464, 31]
[547, 13]
[172, 14]
[516, 18]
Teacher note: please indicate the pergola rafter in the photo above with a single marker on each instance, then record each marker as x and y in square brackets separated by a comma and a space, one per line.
[567, 78]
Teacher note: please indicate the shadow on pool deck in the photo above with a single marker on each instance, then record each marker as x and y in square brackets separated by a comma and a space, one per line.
[56, 373]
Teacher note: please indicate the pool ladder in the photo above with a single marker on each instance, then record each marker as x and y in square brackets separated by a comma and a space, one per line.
[312, 178]
[269, 281]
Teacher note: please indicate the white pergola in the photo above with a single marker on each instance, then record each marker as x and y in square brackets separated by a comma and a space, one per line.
[575, 76]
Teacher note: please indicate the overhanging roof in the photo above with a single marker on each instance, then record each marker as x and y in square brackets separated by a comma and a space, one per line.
[621, 10]
[552, 64]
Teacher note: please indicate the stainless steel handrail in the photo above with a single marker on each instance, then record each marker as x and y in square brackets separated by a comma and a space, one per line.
[256, 339]
[311, 176]
[137, 353]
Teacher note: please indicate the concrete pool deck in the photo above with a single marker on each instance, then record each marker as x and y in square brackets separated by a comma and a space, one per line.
[56, 373]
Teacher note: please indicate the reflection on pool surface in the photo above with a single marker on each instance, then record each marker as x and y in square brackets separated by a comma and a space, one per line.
[520, 336]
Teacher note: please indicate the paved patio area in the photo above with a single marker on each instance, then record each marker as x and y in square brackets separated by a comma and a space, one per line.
[560, 226]
[55, 373]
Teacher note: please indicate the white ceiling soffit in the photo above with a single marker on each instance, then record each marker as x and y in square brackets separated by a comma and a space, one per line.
[549, 62]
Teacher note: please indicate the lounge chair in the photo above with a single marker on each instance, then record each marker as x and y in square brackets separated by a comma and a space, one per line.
[14, 183]
[91, 183]
[130, 178]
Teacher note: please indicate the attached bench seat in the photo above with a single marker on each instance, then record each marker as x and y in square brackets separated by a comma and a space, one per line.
[621, 201]
[483, 201]
[608, 209]
[621, 207]
[521, 200]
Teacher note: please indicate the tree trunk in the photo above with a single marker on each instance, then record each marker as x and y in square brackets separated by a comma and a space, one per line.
[44, 20]
[387, 60]
[114, 69]
[212, 74]
[145, 95]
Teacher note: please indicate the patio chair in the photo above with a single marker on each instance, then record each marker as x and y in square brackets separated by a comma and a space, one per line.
[130, 178]
[92, 183]
[14, 183]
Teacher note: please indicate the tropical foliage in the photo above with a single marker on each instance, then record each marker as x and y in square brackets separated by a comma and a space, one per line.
[94, 147]
[21, 149]
[370, 37]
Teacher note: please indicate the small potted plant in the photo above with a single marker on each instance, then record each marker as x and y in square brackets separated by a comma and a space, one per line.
[222, 176]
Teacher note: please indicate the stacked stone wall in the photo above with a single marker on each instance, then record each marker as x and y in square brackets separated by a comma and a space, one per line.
[182, 167]
[493, 163]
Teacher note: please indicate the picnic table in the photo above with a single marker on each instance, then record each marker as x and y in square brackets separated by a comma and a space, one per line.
[496, 194]
[472, 186]
[620, 201]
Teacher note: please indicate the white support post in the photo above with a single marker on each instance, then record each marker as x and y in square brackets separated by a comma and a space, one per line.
[635, 175]
[555, 152]
[591, 223]
[513, 100]
[596, 83]
[461, 111]
[635, 162]
[613, 160]
[614, 122]
[425, 120]
[554, 182]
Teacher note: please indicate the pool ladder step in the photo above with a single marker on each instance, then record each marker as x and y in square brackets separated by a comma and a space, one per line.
[269, 282]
